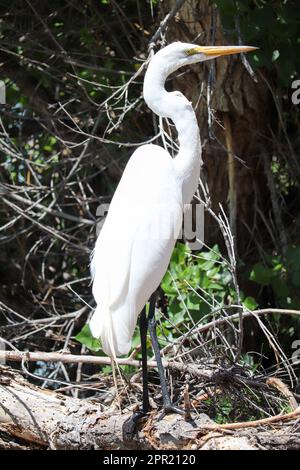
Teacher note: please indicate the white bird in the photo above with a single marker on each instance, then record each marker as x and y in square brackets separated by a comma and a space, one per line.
[135, 244]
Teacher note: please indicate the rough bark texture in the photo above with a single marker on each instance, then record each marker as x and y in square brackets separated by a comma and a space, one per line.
[31, 417]
[52, 420]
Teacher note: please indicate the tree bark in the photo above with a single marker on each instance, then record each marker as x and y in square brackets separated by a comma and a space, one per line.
[31, 417]
[55, 421]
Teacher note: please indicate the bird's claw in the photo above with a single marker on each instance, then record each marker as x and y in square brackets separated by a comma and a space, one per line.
[169, 409]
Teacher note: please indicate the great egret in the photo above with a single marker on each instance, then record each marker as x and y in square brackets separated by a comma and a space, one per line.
[130, 258]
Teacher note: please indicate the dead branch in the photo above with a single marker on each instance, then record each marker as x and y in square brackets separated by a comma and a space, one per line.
[225, 320]
[259, 422]
[20, 356]
[283, 388]
[50, 419]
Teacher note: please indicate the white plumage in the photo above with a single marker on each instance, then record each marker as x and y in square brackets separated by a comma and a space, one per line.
[135, 244]
[131, 254]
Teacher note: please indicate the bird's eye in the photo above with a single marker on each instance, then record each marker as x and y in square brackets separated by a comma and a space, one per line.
[192, 51]
[177, 93]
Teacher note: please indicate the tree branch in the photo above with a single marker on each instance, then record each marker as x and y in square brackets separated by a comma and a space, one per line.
[20, 356]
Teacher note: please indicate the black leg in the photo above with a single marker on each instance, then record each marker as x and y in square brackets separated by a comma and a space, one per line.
[143, 332]
[156, 350]
[168, 407]
[131, 424]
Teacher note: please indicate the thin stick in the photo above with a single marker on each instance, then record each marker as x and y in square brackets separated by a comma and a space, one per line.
[253, 424]
[24, 356]
[221, 321]
[162, 27]
[65, 358]
[283, 388]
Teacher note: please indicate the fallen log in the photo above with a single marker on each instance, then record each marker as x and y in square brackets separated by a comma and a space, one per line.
[52, 420]
[32, 417]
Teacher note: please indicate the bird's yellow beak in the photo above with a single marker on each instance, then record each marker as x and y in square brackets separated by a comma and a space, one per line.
[219, 50]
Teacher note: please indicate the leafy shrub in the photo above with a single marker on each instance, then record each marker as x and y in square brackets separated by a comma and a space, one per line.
[282, 274]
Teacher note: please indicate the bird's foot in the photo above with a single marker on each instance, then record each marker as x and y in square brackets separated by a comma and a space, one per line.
[170, 409]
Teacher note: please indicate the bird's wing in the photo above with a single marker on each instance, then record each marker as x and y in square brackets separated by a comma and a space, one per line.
[144, 201]
[134, 247]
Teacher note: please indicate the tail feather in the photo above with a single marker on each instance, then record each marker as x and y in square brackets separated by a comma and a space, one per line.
[114, 335]
[101, 326]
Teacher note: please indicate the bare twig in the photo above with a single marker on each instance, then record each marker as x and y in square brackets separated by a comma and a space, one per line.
[253, 424]
[162, 27]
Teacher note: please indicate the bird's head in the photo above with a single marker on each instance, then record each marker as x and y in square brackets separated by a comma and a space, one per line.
[171, 58]
[179, 54]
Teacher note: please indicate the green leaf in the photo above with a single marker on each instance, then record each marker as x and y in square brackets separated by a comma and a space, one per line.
[179, 318]
[226, 277]
[261, 274]
[193, 302]
[212, 273]
[250, 303]
[85, 337]
[215, 286]
[174, 307]
[208, 265]
[167, 284]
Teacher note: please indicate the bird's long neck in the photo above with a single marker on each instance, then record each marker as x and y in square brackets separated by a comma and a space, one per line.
[188, 161]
